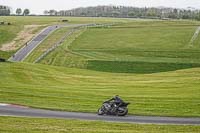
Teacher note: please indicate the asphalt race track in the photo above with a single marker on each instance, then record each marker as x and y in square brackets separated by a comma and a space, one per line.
[21, 111]
[32, 44]
[23, 52]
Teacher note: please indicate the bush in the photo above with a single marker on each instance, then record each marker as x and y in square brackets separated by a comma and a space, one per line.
[2, 22]
[2, 60]
[65, 20]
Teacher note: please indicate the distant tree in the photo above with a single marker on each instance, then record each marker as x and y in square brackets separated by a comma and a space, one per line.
[131, 14]
[26, 12]
[123, 11]
[175, 11]
[115, 13]
[61, 13]
[83, 14]
[8, 12]
[151, 12]
[4, 10]
[18, 11]
[46, 12]
[52, 12]
[197, 17]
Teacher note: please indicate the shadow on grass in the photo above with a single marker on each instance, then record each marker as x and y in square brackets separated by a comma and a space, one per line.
[5, 55]
[137, 67]
[2, 60]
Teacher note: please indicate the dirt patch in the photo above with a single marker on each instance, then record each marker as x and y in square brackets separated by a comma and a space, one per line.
[22, 37]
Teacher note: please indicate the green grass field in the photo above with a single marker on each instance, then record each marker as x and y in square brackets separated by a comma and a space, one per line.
[63, 56]
[136, 47]
[46, 44]
[164, 94]
[164, 79]
[9, 32]
[148, 63]
[75, 126]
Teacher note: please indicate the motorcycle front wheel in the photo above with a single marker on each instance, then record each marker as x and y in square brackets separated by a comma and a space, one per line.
[100, 111]
[123, 113]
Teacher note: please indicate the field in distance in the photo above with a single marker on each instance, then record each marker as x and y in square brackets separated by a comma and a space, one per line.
[134, 47]
[14, 36]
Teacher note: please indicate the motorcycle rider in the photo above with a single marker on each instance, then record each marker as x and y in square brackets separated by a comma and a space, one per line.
[114, 106]
[117, 100]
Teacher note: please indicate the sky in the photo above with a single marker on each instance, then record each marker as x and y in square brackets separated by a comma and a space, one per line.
[38, 6]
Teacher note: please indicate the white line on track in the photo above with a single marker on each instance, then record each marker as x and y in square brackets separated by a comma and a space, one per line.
[12, 105]
[4, 104]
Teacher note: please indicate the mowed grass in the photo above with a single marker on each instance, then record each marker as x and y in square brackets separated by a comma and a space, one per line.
[49, 42]
[6, 55]
[6, 35]
[144, 38]
[163, 94]
[62, 56]
[9, 32]
[38, 125]
[144, 35]
[135, 47]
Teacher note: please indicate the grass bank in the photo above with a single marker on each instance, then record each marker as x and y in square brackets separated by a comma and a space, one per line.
[135, 47]
[173, 93]
[38, 125]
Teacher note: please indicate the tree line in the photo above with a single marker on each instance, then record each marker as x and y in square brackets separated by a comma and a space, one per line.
[24, 13]
[129, 12]
[6, 11]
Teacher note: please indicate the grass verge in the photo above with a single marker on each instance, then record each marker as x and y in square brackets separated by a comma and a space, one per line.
[49, 42]
[38, 125]
[163, 94]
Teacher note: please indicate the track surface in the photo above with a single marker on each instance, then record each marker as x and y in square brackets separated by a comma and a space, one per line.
[23, 52]
[20, 111]
[31, 45]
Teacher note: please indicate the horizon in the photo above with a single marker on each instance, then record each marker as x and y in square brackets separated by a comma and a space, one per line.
[38, 7]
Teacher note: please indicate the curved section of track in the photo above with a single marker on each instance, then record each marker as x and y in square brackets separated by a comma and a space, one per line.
[31, 45]
[24, 51]
[14, 110]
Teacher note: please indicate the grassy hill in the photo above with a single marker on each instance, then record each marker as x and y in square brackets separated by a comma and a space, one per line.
[136, 47]
[46, 44]
[151, 64]
[166, 94]
[9, 32]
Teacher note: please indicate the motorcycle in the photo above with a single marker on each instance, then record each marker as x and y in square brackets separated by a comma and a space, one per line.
[110, 108]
